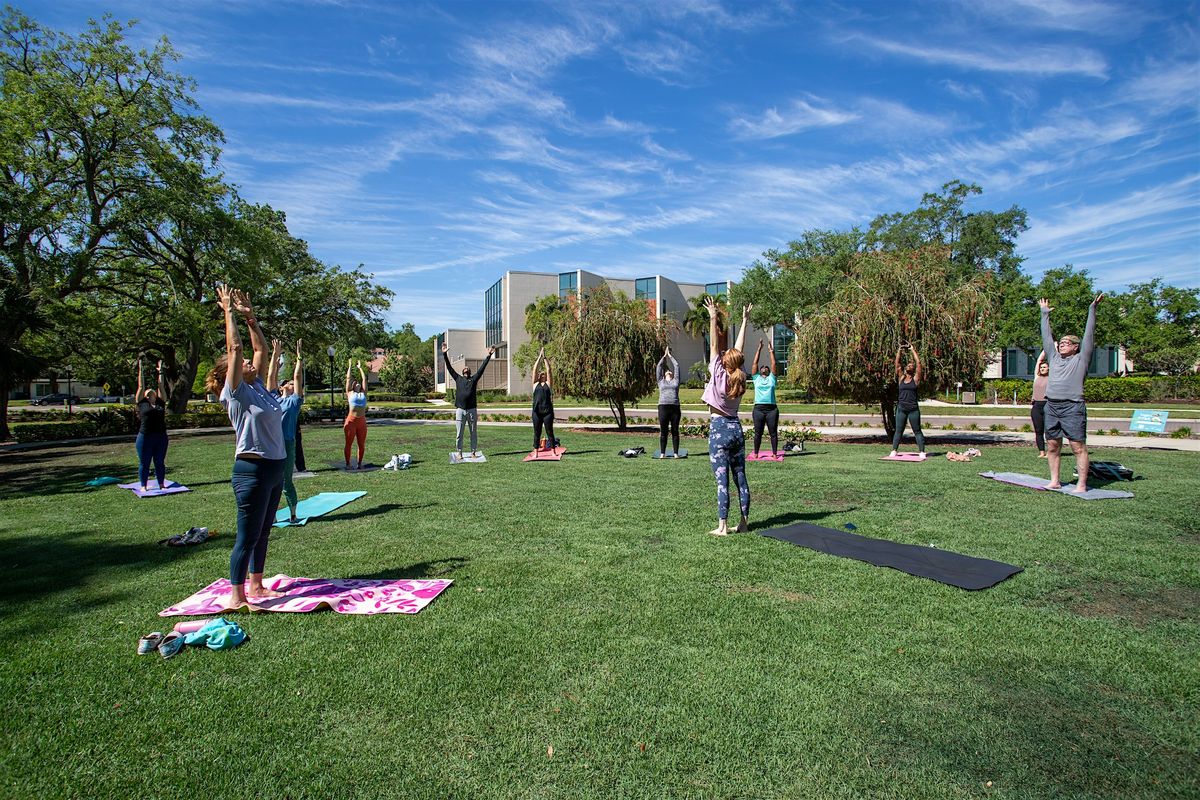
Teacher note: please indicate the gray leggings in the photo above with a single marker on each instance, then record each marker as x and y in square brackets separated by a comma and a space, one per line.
[912, 418]
[469, 417]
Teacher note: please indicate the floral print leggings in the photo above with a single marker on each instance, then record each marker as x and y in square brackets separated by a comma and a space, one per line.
[727, 451]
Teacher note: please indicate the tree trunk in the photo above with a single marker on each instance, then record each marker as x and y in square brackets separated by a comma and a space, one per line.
[617, 407]
[181, 390]
[887, 405]
[4, 434]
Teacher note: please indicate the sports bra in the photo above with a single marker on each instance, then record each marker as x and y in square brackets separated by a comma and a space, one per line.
[358, 399]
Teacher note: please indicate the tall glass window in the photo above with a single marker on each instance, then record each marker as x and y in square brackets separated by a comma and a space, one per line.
[782, 337]
[493, 313]
[645, 289]
[568, 284]
[439, 365]
[716, 289]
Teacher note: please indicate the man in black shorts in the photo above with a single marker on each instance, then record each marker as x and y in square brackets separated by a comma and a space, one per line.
[1066, 413]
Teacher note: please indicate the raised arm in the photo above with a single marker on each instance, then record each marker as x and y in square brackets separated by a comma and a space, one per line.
[483, 366]
[233, 338]
[162, 392]
[659, 372]
[757, 353]
[258, 340]
[899, 350]
[141, 390]
[346, 388]
[771, 350]
[362, 377]
[674, 364]
[1089, 330]
[446, 358]
[549, 374]
[1047, 334]
[741, 337]
[916, 360]
[536, 363]
[298, 371]
[273, 370]
[1041, 360]
[711, 305]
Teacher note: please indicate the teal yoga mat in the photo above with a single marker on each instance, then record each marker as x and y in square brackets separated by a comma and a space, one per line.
[315, 506]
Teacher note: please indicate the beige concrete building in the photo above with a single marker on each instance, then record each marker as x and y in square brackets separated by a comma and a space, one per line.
[504, 321]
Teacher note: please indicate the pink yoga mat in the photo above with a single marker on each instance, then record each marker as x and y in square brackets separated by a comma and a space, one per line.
[345, 596]
[764, 457]
[546, 455]
[903, 457]
[152, 489]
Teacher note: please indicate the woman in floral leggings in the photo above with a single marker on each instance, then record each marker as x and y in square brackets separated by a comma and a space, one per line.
[726, 443]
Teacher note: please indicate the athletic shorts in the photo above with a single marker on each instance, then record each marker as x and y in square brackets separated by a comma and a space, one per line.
[1066, 419]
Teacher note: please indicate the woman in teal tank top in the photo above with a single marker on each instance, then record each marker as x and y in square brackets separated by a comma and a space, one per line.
[766, 412]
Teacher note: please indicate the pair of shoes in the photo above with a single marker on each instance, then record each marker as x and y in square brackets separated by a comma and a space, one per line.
[167, 646]
[149, 643]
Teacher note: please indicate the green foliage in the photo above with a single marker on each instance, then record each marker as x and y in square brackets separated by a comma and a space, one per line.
[402, 374]
[545, 319]
[1182, 432]
[1161, 327]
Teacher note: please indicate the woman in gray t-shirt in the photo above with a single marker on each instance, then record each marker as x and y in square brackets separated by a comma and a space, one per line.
[668, 404]
[260, 455]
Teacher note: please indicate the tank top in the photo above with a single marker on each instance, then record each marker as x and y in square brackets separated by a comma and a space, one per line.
[908, 396]
[542, 402]
[153, 417]
[1040, 382]
[358, 399]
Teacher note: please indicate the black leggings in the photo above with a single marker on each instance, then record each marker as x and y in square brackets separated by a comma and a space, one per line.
[766, 414]
[912, 418]
[1038, 415]
[257, 485]
[668, 417]
[543, 418]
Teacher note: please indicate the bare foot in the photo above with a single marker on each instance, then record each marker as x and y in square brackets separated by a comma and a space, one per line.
[922, 456]
[1053, 485]
[743, 526]
[1041, 455]
[721, 530]
[1083, 489]
[892, 454]
[263, 593]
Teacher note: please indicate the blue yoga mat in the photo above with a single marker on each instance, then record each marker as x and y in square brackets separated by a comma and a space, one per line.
[315, 506]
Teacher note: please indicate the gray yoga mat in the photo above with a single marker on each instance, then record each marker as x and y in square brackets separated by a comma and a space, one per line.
[1031, 482]
[953, 569]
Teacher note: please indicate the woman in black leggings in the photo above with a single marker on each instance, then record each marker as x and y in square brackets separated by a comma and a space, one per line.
[1041, 379]
[543, 404]
[668, 404]
[766, 412]
[907, 410]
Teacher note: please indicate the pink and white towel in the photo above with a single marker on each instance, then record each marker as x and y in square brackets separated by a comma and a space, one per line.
[345, 596]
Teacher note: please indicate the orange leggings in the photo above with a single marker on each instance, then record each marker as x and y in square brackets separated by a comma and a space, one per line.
[355, 428]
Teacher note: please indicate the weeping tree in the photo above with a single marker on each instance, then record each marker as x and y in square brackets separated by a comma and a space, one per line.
[607, 352]
[888, 300]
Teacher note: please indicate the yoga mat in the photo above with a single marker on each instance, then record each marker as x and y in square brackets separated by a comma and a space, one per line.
[152, 489]
[903, 457]
[764, 457]
[1031, 482]
[315, 506]
[467, 458]
[682, 454]
[954, 569]
[344, 596]
[340, 466]
[299, 476]
[546, 455]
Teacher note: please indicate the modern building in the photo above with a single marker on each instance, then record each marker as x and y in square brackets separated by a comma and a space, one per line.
[1016, 363]
[504, 305]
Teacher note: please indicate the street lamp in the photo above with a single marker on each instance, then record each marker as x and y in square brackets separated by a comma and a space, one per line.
[68, 388]
[330, 351]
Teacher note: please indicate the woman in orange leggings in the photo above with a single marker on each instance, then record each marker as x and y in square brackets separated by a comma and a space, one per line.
[355, 426]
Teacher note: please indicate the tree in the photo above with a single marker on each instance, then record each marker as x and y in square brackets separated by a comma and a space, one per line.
[608, 352]
[888, 300]
[1160, 327]
[695, 321]
[403, 374]
[545, 319]
[86, 125]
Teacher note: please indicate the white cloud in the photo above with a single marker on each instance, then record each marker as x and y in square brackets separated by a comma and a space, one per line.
[801, 115]
[1028, 59]
[963, 91]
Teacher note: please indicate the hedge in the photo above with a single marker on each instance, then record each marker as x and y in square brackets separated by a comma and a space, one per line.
[1131, 389]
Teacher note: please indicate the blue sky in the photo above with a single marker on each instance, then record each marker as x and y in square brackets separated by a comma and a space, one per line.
[439, 144]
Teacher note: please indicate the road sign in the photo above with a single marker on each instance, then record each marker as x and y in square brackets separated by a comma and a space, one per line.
[1150, 421]
[106, 388]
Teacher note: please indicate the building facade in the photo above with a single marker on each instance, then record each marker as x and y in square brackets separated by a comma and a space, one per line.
[505, 301]
[1016, 363]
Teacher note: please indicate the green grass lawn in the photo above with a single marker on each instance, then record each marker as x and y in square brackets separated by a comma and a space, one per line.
[593, 615]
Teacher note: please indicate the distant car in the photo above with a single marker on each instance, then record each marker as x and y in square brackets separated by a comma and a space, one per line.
[105, 398]
[56, 399]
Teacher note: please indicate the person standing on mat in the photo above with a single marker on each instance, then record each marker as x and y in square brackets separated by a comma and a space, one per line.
[766, 412]
[355, 426]
[1066, 413]
[907, 410]
[260, 454]
[726, 442]
[1041, 377]
[151, 441]
[543, 403]
[466, 407]
[669, 411]
[291, 400]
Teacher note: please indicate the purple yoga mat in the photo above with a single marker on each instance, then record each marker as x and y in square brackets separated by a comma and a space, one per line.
[345, 596]
[152, 489]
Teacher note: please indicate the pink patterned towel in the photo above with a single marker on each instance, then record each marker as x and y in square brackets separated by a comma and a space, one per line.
[310, 594]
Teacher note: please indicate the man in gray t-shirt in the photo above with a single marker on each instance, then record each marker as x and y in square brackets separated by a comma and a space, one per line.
[1066, 413]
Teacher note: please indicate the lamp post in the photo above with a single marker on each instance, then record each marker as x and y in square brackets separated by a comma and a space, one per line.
[68, 388]
[330, 351]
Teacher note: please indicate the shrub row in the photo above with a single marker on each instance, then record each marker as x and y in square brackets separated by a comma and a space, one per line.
[1131, 389]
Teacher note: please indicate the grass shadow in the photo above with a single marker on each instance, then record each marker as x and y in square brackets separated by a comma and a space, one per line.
[43, 481]
[438, 568]
[780, 520]
[375, 511]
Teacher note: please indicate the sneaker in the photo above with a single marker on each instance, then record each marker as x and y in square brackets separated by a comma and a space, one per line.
[171, 645]
[149, 643]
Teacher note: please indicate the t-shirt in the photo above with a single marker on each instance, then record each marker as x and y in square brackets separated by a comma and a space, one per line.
[1067, 373]
[715, 389]
[257, 420]
[668, 390]
[291, 415]
[1040, 382]
[153, 418]
[764, 390]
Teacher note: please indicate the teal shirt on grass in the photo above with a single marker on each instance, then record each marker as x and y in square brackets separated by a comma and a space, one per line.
[764, 390]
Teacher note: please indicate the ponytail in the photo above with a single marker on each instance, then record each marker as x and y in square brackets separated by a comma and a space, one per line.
[735, 381]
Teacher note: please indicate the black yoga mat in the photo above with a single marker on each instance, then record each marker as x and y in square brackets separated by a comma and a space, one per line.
[965, 572]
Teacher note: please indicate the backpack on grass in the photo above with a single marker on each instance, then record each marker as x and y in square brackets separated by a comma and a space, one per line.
[1108, 471]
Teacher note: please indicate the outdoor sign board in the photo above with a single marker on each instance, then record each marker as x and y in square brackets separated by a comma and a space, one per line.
[1149, 421]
